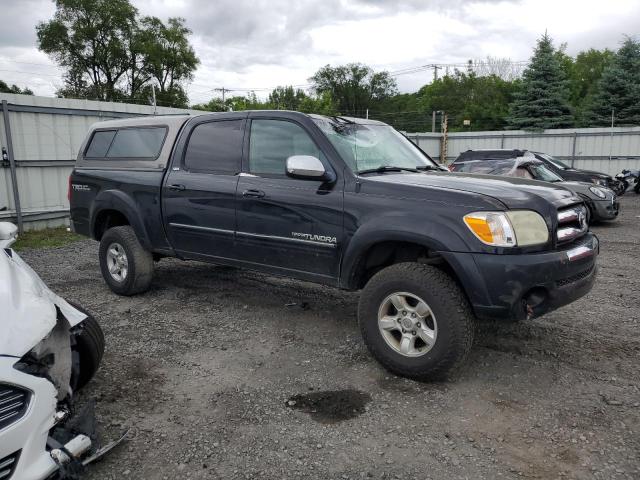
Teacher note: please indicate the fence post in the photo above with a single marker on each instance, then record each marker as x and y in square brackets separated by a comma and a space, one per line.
[573, 151]
[502, 141]
[12, 164]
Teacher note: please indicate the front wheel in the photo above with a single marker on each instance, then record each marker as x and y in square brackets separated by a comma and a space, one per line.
[87, 348]
[416, 321]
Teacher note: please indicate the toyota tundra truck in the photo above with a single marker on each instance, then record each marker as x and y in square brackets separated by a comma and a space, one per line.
[345, 202]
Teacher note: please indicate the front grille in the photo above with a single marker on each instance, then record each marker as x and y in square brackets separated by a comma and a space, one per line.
[8, 465]
[13, 404]
[576, 277]
[572, 223]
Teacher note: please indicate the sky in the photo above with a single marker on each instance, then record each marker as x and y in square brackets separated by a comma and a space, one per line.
[256, 45]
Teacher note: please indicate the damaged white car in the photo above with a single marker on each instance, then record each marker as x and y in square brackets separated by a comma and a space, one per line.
[48, 349]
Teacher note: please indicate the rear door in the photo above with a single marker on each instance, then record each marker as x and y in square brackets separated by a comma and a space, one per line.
[289, 224]
[199, 193]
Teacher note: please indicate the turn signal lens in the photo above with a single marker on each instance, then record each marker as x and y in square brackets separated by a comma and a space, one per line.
[491, 228]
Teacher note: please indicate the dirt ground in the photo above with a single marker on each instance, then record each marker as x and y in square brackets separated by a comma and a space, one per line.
[222, 373]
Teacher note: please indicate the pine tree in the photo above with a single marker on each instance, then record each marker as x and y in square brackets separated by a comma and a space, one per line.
[618, 89]
[543, 99]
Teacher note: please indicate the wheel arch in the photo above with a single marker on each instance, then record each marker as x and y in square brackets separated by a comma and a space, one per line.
[113, 208]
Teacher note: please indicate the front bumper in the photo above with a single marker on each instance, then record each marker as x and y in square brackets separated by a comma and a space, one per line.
[29, 434]
[605, 209]
[515, 287]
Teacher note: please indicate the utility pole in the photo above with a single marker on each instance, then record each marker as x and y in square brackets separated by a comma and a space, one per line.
[435, 72]
[443, 145]
[367, 117]
[433, 121]
[613, 111]
[153, 93]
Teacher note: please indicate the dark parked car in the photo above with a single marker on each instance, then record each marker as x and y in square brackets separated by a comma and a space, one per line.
[601, 202]
[560, 168]
[344, 202]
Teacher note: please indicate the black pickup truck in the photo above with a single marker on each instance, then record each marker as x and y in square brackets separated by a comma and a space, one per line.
[340, 201]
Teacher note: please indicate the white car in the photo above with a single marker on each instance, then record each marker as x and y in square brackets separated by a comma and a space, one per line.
[48, 349]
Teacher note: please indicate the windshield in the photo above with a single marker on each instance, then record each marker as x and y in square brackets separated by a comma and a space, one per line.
[513, 167]
[541, 172]
[371, 147]
[555, 161]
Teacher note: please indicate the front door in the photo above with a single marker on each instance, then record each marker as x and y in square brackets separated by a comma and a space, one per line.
[199, 193]
[286, 223]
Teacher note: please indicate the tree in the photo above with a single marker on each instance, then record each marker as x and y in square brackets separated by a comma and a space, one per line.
[110, 54]
[353, 87]
[543, 99]
[5, 88]
[286, 98]
[92, 37]
[168, 57]
[618, 88]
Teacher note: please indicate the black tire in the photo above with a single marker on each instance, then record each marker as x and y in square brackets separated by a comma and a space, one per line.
[455, 320]
[140, 262]
[88, 350]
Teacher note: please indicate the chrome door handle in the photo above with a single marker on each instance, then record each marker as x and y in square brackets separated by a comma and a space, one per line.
[177, 187]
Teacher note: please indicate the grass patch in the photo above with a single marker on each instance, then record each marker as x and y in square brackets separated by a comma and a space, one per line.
[48, 238]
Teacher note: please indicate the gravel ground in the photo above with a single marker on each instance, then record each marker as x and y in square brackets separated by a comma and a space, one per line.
[222, 373]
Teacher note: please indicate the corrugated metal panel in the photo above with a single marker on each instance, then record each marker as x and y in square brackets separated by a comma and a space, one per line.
[55, 134]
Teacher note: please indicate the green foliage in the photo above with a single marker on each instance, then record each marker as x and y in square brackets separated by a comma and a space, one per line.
[5, 88]
[543, 99]
[286, 98]
[464, 96]
[48, 238]
[618, 89]
[110, 54]
[354, 87]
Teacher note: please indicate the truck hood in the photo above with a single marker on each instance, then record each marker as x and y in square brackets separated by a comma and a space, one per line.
[512, 192]
[28, 308]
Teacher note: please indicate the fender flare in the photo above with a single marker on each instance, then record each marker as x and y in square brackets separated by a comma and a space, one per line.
[439, 237]
[121, 202]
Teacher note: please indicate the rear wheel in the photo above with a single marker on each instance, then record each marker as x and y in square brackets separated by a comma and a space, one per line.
[126, 266]
[88, 350]
[416, 321]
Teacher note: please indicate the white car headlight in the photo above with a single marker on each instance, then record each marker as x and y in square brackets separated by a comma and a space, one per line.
[599, 181]
[598, 192]
[508, 229]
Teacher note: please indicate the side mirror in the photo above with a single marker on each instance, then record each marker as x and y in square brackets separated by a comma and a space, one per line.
[8, 234]
[306, 167]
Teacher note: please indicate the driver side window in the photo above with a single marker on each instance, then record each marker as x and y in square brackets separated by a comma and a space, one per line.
[273, 141]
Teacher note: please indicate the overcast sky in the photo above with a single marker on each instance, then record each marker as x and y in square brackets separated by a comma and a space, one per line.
[259, 44]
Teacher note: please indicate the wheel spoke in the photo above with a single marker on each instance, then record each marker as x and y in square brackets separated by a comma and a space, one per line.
[399, 302]
[427, 336]
[423, 309]
[113, 251]
[388, 323]
[407, 344]
[113, 267]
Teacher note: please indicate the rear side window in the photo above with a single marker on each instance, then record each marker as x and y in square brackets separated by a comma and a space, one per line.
[142, 143]
[100, 143]
[215, 147]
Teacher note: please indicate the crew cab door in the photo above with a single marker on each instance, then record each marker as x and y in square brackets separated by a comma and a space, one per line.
[289, 224]
[199, 192]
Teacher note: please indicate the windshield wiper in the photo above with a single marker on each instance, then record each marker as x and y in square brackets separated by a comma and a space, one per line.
[387, 168]
[427, 167]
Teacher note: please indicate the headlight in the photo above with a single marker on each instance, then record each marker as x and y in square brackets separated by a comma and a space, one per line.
[598, 192]
[599, 181]
[508, 229]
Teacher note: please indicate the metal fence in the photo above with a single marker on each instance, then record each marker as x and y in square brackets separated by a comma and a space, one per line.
[41, 137]
[607, 150]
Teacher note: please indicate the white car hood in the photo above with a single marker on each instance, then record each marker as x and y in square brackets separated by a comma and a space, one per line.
[27, 307]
